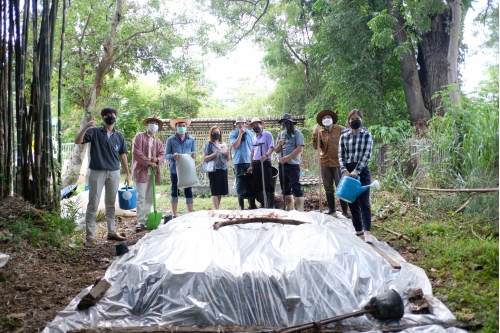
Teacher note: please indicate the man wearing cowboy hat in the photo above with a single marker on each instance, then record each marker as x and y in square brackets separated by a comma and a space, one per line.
[290, 143]
[179, 143]
[147, 151]
[108, 150]
[328, 133]
[241, 141]
[262, 149]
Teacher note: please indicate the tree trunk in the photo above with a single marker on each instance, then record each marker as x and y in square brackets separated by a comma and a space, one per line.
[75, 164]
[432, 58]
[411, 81]
[456, 23]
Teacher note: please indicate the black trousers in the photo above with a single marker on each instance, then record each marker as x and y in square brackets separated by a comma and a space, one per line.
[289, 176]
[257, 176]
[360, 208]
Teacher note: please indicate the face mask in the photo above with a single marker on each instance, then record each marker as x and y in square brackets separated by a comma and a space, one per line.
[327, 122]
[215, 136]
[355, 124]
[181, 130]
[283, 126]
[110, 120]
[257, 129]
[153, 128]
[240, 127]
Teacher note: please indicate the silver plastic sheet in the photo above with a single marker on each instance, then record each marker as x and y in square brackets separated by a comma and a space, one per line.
[186, 273]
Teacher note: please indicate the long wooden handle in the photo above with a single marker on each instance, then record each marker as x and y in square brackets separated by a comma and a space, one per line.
[319, 175]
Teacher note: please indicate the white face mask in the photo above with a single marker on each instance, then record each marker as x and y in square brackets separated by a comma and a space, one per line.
[153, 128]
[327, 121]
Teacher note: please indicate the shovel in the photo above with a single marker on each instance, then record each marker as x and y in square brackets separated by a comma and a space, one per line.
[154, 218]
[264, 204]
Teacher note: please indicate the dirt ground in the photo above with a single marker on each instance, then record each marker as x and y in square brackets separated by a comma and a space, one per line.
[37, 282]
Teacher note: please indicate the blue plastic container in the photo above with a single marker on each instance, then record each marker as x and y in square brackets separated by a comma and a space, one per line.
[349, 189]
[127, 204]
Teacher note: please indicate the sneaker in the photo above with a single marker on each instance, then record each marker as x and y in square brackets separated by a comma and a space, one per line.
[369, 238]
[116, 237]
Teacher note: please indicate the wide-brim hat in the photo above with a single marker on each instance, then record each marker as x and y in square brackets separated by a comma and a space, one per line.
[240, 119]
[323, 113]
[287, 116]
[256, 120]
[174, 121]
[156, 119]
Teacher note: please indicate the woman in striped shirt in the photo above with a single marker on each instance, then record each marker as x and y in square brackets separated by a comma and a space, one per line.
[355, 149]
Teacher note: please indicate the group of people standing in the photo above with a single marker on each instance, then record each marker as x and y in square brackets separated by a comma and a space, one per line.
[343, 151]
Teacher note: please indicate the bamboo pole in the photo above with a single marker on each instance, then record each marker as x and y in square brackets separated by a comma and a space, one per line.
[319, 175]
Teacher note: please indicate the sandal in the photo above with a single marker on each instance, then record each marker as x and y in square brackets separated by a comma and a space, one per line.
[360, 233]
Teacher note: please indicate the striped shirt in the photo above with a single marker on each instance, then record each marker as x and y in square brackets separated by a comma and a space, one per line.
[355, 148]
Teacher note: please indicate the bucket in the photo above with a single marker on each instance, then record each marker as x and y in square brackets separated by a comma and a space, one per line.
[130, 203]
[275, 174]
[247, 189]
[348, 189]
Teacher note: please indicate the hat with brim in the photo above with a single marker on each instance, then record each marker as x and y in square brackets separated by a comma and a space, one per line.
[174, 121]
[323, 113]
[256, 120]
[240, 119]
[155, 119]
[287, 116]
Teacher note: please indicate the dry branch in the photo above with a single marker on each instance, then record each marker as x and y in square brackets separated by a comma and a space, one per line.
[463, 206]
[468, 190]
[263, 219]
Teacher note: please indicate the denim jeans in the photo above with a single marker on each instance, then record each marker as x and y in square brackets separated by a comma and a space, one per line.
[174, 193]
[360, 208]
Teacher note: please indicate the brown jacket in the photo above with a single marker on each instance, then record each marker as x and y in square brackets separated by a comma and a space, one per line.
[140, 160]
[329, 145]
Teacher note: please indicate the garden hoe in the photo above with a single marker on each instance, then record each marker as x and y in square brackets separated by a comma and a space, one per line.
[264, 203]
[154, 218]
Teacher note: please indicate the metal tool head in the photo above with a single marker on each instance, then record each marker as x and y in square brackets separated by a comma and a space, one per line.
[258, 144]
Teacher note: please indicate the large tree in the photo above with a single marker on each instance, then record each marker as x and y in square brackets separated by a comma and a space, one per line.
[123, 39]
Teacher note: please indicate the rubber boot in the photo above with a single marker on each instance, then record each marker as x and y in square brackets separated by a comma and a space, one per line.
[330, 198]
[345, 212]
[260, 199]
[241, 203]
[251, 203]
[288, 202]
[299, 204]
[270, 200]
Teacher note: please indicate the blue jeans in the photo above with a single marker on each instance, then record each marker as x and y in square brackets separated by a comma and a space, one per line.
[174, 193]
[360, 208]
[289, 176]
[239, 169]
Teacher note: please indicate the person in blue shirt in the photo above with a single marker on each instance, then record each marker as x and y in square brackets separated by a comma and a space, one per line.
[179, 143]
[241, 141]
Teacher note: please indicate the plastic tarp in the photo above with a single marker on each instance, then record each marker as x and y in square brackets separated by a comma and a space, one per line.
[186, 273]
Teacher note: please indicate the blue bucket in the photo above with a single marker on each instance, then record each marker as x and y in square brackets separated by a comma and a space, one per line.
[348, 189]
[130, 203]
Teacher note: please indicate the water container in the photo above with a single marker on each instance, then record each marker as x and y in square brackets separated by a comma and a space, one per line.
[348, 189]
[130, 203]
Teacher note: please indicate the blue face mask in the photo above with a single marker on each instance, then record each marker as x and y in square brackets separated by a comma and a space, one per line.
[181, 130]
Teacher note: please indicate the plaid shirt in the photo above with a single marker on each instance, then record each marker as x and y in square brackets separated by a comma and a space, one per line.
[355, 148]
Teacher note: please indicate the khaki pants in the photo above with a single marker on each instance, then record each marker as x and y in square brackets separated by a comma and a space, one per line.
[98, 179]
[328, 176]
[144, 199]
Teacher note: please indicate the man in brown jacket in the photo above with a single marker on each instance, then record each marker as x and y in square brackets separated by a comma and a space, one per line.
[329, 136]
[147, 152]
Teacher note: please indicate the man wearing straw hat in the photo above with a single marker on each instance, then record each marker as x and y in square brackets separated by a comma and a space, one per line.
[241, 141]
[179, 143]
[262, 149]
[147, 151]
[328, 133]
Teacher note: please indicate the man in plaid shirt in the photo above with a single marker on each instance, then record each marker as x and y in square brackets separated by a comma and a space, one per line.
[355, 149]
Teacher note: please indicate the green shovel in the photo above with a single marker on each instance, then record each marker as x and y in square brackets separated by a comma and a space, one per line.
[154, 218]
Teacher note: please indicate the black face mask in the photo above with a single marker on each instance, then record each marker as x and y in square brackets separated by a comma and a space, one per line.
[110, 120]
[355, 124]
[257, 129]
[215, 136]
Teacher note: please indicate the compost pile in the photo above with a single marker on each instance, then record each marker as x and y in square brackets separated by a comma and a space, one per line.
[187, 274]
